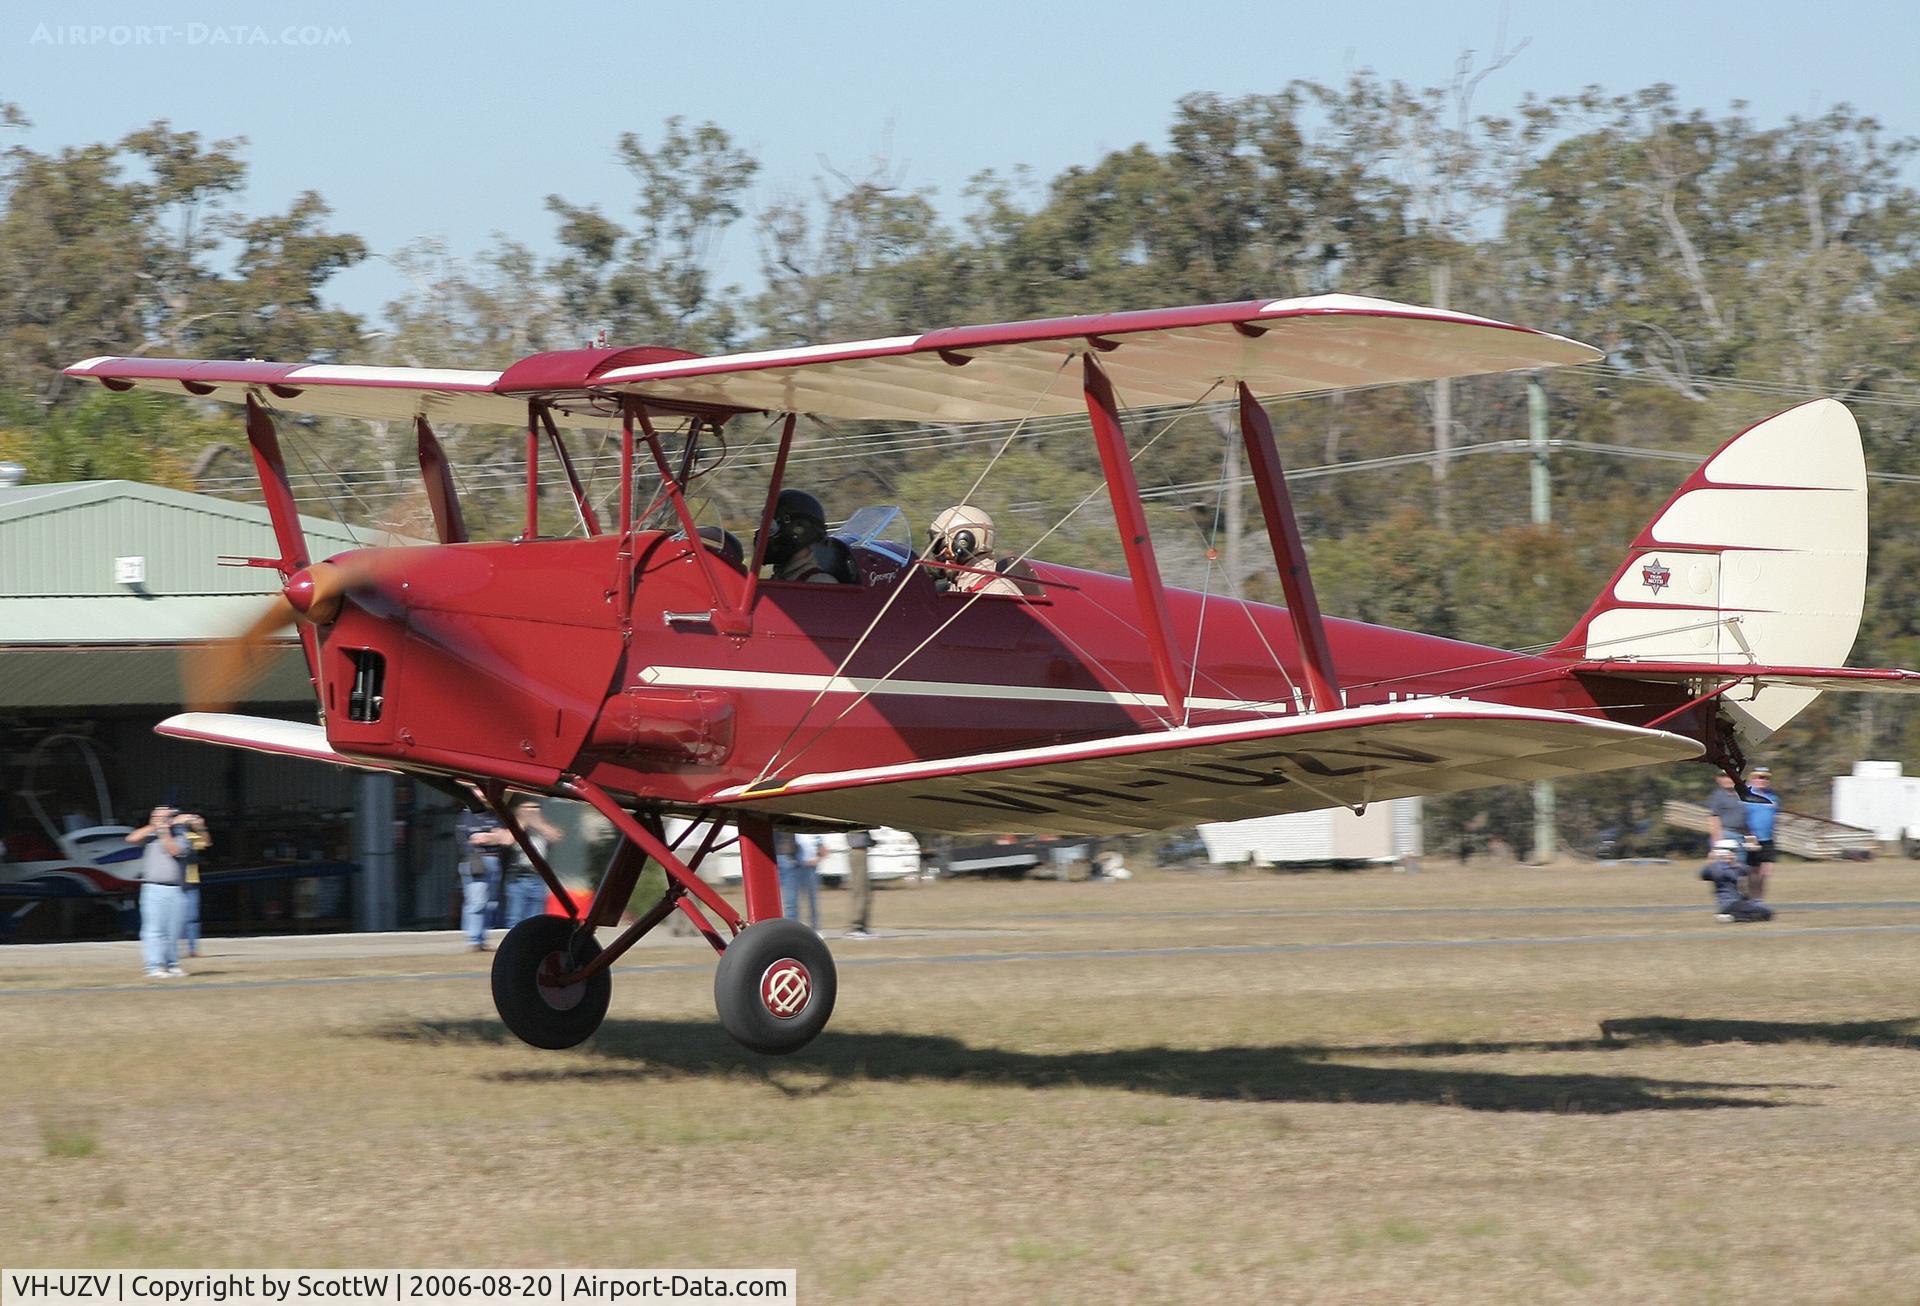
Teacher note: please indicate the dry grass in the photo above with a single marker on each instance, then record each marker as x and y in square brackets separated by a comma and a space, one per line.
[1257, 1102]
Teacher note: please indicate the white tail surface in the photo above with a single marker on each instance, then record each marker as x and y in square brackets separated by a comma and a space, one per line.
[1761, 557]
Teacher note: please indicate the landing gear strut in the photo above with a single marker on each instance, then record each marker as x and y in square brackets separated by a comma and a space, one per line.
[775, 984]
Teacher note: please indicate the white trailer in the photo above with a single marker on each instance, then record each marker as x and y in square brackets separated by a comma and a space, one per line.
[1879, 798]
[1387, 831]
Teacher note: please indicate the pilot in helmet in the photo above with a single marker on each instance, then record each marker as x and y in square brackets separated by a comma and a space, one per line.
[963, 535]
[798, 547]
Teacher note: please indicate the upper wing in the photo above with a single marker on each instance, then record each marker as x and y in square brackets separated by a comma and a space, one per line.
[960, 374]
[1160, 356]
[1153, 781]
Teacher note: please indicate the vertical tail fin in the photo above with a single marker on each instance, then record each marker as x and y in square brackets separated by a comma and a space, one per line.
[1760, 557]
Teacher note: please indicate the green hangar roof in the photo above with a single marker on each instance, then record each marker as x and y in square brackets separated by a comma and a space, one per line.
[101, 582]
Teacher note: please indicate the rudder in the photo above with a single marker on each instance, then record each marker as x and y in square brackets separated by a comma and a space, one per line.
[1760, 557]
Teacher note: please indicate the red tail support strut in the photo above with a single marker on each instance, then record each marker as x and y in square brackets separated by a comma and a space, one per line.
[1142, 567]
[1289, 554]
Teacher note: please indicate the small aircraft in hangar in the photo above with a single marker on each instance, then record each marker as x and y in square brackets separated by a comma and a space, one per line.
[645, 671]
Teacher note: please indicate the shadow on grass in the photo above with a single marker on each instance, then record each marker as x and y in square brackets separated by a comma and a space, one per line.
[648, 1049]
[1900, 1033]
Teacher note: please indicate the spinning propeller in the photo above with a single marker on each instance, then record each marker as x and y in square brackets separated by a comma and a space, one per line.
[217, 675]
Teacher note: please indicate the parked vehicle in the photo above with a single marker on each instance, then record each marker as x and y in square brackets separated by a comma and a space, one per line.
[1007, 857]
[891, 855]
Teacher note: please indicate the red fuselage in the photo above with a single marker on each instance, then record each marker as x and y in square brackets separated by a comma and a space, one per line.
[516, 661]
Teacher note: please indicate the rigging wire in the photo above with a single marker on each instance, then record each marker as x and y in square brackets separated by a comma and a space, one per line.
[977, 595]
[900, 585]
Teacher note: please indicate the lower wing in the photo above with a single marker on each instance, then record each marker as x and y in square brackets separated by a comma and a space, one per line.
[1133, 783]
[261, 735]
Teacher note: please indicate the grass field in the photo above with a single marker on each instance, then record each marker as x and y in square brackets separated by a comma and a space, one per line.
[1459, 1086]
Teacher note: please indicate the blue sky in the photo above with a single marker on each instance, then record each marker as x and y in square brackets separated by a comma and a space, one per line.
[456, 121]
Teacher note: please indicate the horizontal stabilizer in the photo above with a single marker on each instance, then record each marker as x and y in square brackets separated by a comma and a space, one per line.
[1153, 781]
[1844, 680]
[260, 734]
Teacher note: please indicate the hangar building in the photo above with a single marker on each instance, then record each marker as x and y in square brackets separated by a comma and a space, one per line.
[102, 585]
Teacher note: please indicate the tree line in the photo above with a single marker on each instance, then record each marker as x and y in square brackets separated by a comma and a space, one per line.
[1727, 267]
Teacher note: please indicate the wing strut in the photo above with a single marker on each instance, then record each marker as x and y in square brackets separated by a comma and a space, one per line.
[264, 443]
[589, 519]
[272, 470]
[1289, 554]
[1135, 541]
[442, 497]
[533, 471]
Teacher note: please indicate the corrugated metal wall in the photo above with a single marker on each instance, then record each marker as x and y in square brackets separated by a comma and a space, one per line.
[69, 549]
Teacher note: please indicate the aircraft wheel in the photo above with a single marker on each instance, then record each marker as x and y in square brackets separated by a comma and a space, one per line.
[775, 987]
[537, 1013]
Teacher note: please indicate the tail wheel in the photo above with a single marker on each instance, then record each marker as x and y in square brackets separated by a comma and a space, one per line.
[775, 987]
[543, 1014]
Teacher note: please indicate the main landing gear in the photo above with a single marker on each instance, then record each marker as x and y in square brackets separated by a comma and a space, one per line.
[527, 990]
[775, 984]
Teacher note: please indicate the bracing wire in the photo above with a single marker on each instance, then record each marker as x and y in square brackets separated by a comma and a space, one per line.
[977, 595]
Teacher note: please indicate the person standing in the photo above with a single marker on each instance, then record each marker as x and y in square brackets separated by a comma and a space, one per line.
[805, 880]
[163, 863]
[859, 887]
[526, 891]
[198, 841]
[1763, 809]
[479, 874]
[1726, 814]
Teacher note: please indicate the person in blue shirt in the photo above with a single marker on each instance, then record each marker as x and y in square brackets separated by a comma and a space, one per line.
[1762, 810]
[798, 857]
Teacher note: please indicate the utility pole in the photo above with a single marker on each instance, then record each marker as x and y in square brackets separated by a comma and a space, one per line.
[1545, 843]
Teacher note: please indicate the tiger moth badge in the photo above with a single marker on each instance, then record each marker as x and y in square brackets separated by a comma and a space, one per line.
[1655, 576]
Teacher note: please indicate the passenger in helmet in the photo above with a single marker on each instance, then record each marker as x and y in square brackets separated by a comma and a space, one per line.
[798, 548]
[963, 536]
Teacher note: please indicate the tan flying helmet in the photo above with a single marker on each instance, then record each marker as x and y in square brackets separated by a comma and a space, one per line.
[961, 533]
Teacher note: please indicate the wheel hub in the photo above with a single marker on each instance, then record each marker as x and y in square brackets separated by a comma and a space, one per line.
[786, 987]
[559, 997]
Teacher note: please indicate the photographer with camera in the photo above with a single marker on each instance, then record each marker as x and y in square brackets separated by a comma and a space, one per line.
[482, 841]
[165, 850]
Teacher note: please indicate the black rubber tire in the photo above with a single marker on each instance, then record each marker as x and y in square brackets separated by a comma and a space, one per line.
[547, 1017]
[757, 973]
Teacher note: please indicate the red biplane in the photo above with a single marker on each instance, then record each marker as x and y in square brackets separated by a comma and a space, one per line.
[642, 670]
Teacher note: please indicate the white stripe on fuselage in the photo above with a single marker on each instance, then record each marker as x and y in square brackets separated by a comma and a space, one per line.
[724, 678]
